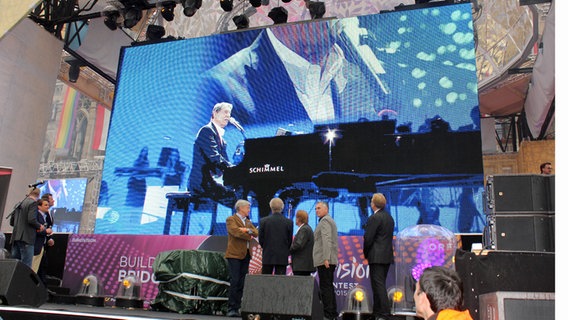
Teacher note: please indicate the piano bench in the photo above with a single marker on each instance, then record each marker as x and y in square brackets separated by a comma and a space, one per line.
[181, 201]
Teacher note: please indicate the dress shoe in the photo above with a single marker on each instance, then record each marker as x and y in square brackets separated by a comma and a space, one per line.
[233, 314]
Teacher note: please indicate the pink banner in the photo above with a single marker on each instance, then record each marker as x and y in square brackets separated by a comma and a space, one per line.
[113, 257]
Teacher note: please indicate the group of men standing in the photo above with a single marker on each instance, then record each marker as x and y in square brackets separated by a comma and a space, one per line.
[32, 229]
[310, 250]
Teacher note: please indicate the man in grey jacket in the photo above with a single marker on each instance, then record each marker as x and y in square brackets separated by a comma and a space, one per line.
[325, 258]
[25, 227]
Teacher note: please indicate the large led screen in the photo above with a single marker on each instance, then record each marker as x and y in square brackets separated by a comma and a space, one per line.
[69, 196]
[398, 90]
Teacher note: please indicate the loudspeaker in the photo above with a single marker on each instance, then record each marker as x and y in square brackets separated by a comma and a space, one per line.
[520, 193]
[518, 271]
[288, 297]
[528, 232]
[502, 305]
[19, 285]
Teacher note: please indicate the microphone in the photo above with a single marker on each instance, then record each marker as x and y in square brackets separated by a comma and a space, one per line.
[236, 124]
[34, 185]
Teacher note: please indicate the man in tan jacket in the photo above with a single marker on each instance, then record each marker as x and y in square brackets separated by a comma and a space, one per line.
[240, 232]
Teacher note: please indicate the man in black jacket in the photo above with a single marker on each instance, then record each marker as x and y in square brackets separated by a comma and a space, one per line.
[302, 246]
[378, 250]
[275, 238]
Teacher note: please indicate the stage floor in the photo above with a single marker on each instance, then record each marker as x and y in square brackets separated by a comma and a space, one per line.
[70, 311]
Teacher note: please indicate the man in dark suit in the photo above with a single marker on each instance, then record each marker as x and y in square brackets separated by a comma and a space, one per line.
[25, 226]
[41, 238]
[49, 241]
[378, 250]
[299, 74]
[210, 158]
[240, 233]
[302, 246]
[275, 238]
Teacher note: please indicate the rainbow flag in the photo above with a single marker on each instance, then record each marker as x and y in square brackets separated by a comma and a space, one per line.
[67, 119]
[101, 128]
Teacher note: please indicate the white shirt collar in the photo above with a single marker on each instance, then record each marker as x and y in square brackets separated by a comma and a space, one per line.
[220, 130]
[312, 82]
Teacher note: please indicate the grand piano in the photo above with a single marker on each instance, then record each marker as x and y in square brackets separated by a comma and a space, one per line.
[365, 157]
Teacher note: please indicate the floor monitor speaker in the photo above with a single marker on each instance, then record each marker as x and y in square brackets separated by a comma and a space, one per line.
[286, 297]
[19, 285]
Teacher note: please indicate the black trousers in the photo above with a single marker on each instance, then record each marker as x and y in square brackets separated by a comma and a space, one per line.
[278, 269]
[327, 292]
[238, 269]
[378, 275]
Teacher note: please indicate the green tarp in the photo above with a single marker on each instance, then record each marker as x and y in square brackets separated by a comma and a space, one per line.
[191, 281]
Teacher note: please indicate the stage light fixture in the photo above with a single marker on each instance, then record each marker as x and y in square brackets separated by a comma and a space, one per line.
[129, 294]
[91, 292]
[278, 15]
[241, 21]
[190, 7]
[226, 5]
[167, 10]
[155, 32]
[255, 3]
[358, 305]
[132, 16]
[111, 18]
[317, 9]
[74, 68]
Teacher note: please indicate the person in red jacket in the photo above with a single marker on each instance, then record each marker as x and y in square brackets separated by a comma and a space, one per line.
[439, 295]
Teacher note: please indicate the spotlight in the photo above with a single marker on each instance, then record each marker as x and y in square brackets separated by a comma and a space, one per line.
[190, 7]
[91, 292]
[317, 9]
[241, 21]
[74, 68]
[129, 294]
[110, 19]
[167, 10]
[132, 16]
[278, 15]
[226, 5]
[358, 305]
[255, 3]
[155, 32]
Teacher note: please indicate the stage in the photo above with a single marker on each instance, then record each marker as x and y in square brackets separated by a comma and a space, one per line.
[49, 311]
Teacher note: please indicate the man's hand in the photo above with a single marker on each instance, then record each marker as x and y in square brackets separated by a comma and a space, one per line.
[326, 263]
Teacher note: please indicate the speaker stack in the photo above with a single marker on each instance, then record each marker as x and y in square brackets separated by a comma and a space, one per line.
[281, 297]
[520, 212]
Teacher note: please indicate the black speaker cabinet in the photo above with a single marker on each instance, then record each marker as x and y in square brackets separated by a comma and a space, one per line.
[288, 297]
[498, 271]
[19, 285]
[524, 232]
[503, 305]
[520, 193]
